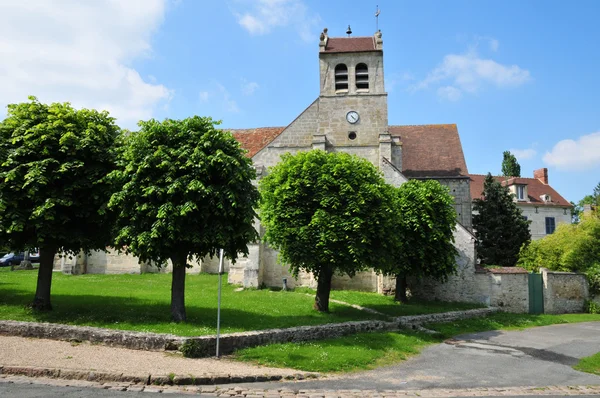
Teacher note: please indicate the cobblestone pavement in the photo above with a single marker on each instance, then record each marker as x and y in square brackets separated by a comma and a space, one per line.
[242, 392]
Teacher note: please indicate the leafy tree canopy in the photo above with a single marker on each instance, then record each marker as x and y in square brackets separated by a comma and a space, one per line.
[326, 212]
[499, 225]
[53, 186]
[423, 233]
[186, 191]
[593, 199]
[572, 248]
[510, 166]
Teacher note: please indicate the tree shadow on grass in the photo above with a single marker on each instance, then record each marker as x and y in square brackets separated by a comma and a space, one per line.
[130, 313]
[420, 307]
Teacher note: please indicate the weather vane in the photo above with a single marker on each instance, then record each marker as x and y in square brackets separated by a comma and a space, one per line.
[377, 12]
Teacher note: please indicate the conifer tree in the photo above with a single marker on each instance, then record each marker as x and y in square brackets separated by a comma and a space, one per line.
[510, 166]
[500, 228]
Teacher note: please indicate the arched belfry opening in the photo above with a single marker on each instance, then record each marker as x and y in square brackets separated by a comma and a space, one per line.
[362, 76]
[341, 77]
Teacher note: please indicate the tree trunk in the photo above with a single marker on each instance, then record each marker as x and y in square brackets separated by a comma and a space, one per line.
[178, 288]
[323, 290]
[400, 288]
[41, 301]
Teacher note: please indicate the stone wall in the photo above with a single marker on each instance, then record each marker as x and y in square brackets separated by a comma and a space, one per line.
[460, 287]
[205, 345]
[111, 262]
[564, 292]
[460, 189]
[507, 289]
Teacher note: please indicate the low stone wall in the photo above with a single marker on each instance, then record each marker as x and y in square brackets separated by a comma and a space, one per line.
[564, 292]
[204, 346]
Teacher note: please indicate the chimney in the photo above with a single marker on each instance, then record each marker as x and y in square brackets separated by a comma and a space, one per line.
[542, 175]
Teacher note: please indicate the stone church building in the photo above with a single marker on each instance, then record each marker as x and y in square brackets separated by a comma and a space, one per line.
[350, 114]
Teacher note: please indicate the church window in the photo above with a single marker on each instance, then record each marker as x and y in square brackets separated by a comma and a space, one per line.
[362, 76]
[341, 77]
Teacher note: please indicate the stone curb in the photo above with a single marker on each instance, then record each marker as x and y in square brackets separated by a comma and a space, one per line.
[245, 392]
[204, 346]
[155, 380]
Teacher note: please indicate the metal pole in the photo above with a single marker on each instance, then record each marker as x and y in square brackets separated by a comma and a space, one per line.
[219, 300]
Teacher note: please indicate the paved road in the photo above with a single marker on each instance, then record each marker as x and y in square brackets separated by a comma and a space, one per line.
[540, 356]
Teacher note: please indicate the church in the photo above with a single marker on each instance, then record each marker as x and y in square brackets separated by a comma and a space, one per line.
[350, 114]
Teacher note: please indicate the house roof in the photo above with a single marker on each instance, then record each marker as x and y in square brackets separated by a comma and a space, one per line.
[253, 140]
[431, 150]
[535, 189]
[350, 44]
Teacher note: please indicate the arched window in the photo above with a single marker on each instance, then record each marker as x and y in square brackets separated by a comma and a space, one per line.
[341, 77]
[362, 76]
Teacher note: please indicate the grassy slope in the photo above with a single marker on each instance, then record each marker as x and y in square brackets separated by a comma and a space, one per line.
[142, 303]
[589, 364]
[370, 350]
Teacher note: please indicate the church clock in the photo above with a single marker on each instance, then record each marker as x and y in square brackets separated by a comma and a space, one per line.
[352, 117]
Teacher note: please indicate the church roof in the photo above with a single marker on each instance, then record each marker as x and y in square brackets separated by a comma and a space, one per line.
[535, 189]
[253, 140]
[350, 44]
[431, 150]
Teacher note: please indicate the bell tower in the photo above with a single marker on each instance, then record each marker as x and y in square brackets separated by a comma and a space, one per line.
[352, 99]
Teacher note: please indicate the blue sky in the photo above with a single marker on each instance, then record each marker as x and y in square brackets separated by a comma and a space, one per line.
[513, 75]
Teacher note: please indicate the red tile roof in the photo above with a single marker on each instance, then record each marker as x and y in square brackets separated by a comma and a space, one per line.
[535, 189]
[253, 140]
[431, 150]
[350, 44]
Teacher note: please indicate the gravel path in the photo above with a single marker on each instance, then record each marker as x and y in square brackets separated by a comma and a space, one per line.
[20, 351]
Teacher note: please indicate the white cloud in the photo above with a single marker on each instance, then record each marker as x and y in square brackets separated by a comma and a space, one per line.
[449, 93]
[81, 52]
[469, 73]
[229, 104]
[203, 96]
[248, 88]
[523, 154]
[259, 17]
[582, 154]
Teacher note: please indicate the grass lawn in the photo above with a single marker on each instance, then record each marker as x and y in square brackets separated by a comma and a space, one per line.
[371, 350]
[589, 364]
[142, 303]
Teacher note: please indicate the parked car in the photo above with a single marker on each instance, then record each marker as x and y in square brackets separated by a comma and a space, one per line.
[15, 259]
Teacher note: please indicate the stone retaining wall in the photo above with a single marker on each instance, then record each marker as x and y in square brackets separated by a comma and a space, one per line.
[204, 346]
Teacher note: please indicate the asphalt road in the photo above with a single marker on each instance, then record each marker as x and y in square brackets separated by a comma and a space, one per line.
[540, 356]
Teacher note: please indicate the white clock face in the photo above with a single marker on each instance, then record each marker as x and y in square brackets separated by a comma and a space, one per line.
[352, 117]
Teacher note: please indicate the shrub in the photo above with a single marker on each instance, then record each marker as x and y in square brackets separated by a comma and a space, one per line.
[571, 248]
[593, 275]
[592, 307]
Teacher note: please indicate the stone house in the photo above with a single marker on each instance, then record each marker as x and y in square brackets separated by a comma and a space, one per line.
[538, 201]
[350, 114]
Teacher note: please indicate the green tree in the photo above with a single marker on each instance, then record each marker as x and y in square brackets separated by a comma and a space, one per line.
[500, 228]
[510, 166]
[423, 234]
[593, 199]
[187, 191]
[326, 213]
[53, 186]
